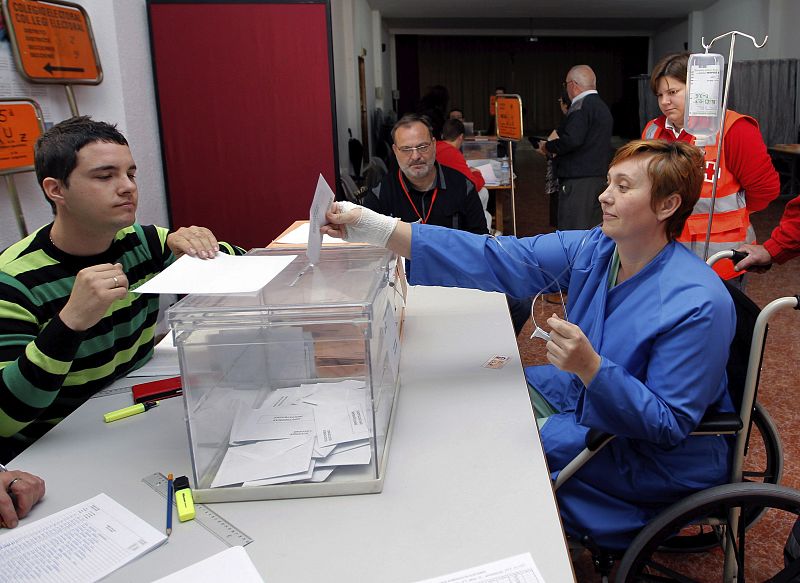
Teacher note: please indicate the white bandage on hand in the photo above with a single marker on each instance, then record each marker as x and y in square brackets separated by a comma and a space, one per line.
[372, 228]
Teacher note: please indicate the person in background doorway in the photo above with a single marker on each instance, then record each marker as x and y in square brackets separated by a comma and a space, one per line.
[551, 185]
[433, 105]
[456, 113]
[492, 130]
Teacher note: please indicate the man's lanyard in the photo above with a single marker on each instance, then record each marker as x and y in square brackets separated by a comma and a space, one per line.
[408, 196]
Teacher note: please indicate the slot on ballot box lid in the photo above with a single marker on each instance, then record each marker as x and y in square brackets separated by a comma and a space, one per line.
[290, 391]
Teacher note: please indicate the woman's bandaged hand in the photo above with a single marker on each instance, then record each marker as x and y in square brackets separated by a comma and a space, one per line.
[355, 223]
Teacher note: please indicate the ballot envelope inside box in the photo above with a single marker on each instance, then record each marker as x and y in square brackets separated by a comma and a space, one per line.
[290, 391]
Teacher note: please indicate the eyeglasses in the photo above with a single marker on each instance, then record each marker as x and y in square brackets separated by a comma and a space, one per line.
[566, 83]
[422, 149]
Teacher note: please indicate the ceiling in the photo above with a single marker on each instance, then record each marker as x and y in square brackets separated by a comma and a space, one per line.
[535, 15]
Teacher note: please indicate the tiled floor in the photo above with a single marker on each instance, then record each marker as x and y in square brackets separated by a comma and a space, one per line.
[778, 390]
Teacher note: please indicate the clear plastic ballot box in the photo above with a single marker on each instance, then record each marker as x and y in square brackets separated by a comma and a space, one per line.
[480, 150]
[289, 392]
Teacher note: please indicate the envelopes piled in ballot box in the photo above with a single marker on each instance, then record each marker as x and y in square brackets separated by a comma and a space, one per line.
[480, 150]
[290, 391]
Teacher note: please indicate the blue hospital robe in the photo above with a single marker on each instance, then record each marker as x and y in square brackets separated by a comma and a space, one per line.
[663, 336]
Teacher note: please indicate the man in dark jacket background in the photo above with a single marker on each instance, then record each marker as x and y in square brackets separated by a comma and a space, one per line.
[582, 152]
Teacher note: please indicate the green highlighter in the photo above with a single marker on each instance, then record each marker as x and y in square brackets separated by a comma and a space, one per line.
[183, 499]
[128, 411]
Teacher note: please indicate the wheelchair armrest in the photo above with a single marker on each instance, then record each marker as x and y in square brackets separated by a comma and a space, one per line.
[714, 424]
[595, 439]
[718, 423]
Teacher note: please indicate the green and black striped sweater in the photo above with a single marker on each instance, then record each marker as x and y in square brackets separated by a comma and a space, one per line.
[46, 369]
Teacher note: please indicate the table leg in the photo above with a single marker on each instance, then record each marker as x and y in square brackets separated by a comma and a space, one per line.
[499, 223]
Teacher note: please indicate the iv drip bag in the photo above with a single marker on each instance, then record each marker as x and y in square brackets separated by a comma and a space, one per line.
[703, 110]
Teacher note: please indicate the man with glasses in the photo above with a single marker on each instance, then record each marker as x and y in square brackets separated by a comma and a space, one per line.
[582, 152]
[424, 191]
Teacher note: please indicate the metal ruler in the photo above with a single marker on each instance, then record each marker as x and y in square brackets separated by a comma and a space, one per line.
[111, 391]
[208, 519]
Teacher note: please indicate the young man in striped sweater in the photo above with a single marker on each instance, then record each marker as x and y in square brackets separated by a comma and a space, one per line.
[68, 324]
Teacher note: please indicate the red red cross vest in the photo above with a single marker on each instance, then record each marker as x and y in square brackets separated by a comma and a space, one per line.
[731, 225]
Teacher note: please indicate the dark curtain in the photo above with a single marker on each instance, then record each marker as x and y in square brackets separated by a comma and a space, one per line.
[648, 104]
[767, 90]
[471, 67]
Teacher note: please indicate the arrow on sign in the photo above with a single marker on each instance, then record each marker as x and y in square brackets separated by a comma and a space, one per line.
[50, 68]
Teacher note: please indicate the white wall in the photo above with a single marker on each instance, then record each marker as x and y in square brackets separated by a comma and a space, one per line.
[784, 40]
[125, 97]
[387, 64]
[356, 28]
[748, 16]
[670, 39]
[343, 55]
[758, 18]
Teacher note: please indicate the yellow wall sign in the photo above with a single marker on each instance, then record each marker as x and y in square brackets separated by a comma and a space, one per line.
[509, 117]
[20, 127]
[53, 42]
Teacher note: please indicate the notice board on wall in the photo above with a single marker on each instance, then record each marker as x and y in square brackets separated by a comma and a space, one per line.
[246, 111]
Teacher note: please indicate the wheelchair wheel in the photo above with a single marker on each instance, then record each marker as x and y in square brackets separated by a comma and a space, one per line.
[763, 463]
[759, 550]
[764, 457]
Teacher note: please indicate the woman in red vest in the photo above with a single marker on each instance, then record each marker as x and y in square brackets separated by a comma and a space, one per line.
[747, 180]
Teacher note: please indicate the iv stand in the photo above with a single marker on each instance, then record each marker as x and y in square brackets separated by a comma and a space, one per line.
[732, 34]
[731, 563]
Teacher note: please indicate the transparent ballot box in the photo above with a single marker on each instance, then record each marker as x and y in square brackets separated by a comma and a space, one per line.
[289, 392]
[479, 150]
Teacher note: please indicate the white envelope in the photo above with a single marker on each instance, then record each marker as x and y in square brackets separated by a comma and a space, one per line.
[320, 475]
[269, 422]
[225, 274]
[356, 456]
[264, 459]
[283, 479]
[341, 423]
[287, 396]
[334, 392]
[323, 199]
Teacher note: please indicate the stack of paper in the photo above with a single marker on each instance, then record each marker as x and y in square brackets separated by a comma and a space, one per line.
[225, 274]
[519, 568]
[299, 434]
[83, 543]
[488, 174]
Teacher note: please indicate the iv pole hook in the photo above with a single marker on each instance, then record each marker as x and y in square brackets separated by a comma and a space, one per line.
[733, 32]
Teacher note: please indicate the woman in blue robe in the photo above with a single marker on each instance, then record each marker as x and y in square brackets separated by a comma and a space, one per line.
[643, 352]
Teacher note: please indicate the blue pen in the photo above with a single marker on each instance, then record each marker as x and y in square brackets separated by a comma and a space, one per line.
[170, 493]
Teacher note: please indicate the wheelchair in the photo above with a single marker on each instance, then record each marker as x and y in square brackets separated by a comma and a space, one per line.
[717, 522]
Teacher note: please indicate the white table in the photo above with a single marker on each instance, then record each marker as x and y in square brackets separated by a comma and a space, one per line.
[466, 482]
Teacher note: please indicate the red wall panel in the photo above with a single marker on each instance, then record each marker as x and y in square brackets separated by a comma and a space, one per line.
[245, 104]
